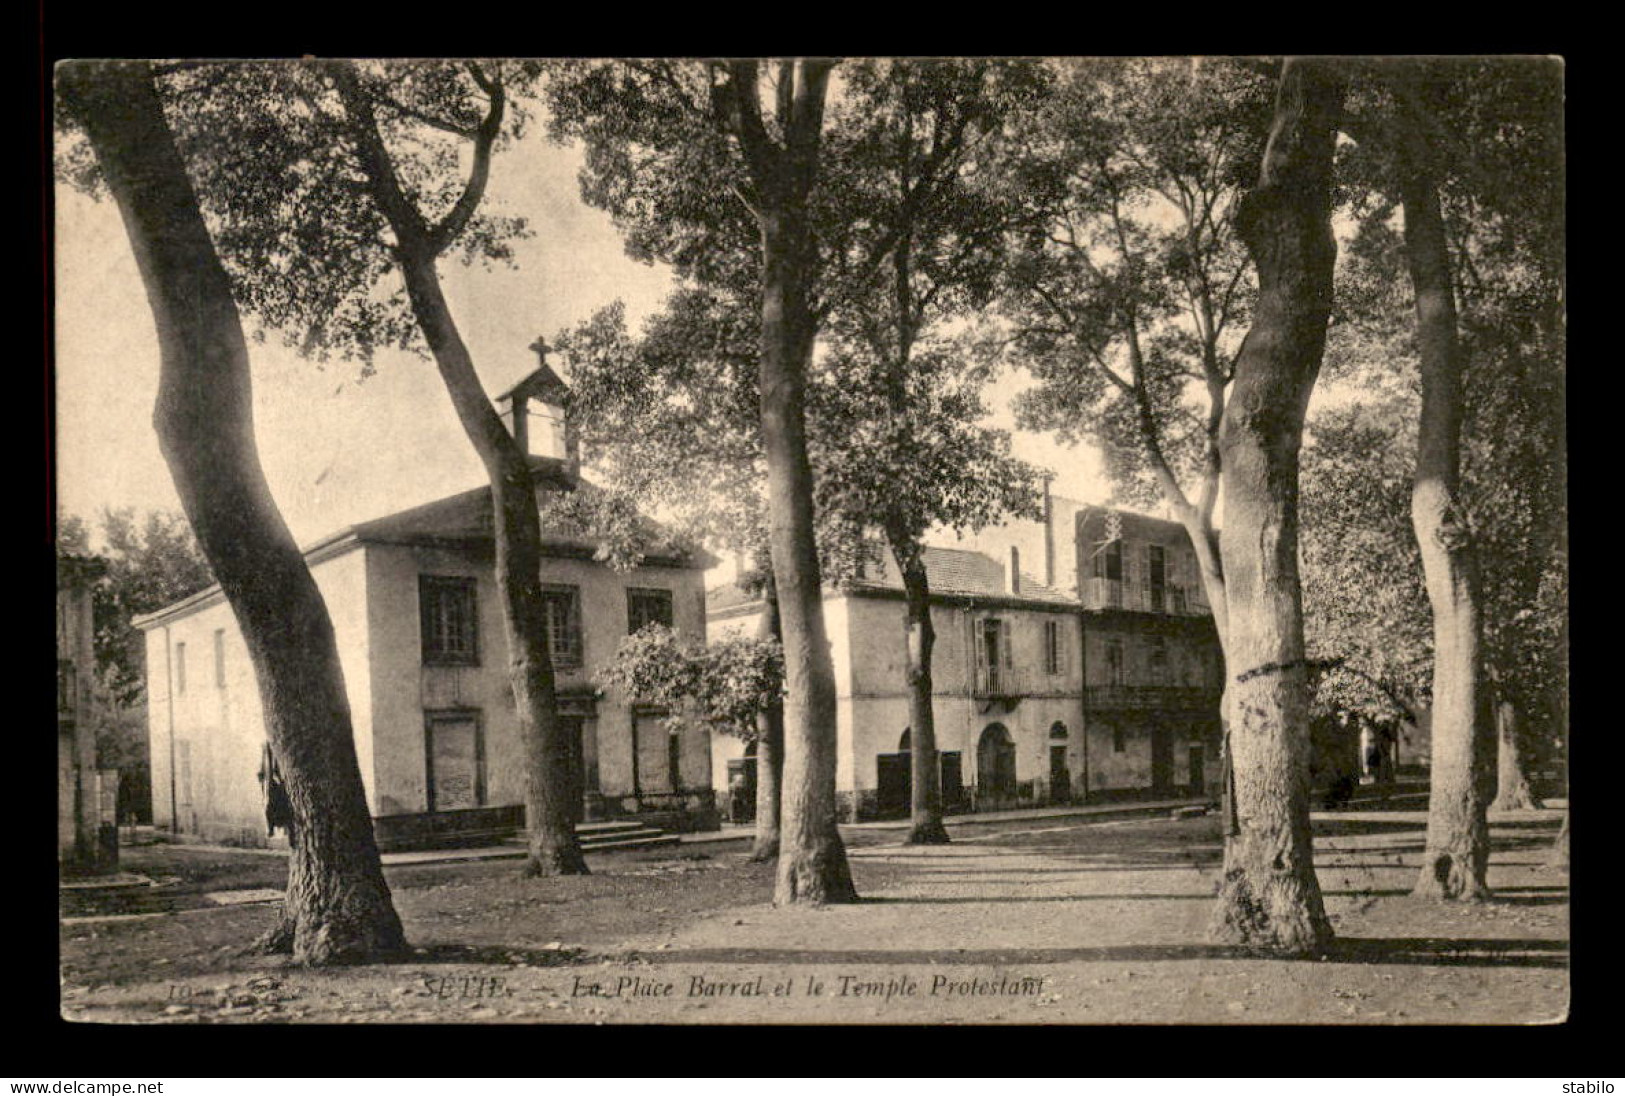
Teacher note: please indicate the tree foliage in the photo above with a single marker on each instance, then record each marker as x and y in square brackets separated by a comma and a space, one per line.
[288, 203]
[152, 560]
[1498, 128]
[721, 686]
[1130, 290]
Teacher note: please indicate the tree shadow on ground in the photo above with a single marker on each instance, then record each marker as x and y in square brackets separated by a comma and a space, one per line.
[1376, 951]
[496, 954]
[1362, 827]
[962, 899]
[1021, 873]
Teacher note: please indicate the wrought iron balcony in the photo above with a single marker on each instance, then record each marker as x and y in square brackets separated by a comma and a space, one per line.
[1162, 697]
[997, 682]
[1105, 593]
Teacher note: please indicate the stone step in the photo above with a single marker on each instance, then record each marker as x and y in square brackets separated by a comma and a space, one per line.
[660, 840]
[594, 841]
[614, 826]
[593, 836]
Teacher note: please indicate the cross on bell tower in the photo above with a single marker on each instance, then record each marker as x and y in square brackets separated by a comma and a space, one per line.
[542, 395]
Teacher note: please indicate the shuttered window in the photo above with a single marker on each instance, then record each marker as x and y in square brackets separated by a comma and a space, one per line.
[563, 607]
[1054, 647]
[450, 620]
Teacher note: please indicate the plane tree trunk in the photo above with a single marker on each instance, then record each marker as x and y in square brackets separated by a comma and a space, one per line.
[812, 860]
[551, 800]
[1269, 897]
[925, 800]
[769, 745]
[338, 907]
[813, 867]
[1513, 790]
[1457, 852]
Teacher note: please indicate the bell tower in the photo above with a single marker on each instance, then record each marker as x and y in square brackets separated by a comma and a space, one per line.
[536, 412]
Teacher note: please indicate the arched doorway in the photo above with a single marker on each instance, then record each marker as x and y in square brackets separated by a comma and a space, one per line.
[995, 768]
[1060, 773]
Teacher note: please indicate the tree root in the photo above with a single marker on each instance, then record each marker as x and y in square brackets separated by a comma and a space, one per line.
[930, 832]
[815, 878]
[1449, 877]
[551, 861]
[1242, 918]
[276, 941]
[1519, 798]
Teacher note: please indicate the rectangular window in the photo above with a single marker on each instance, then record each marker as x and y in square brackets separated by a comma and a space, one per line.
[219, 658]
[563, 606]
[1109, 562]
[1158, 558]
[1118, 745]
[995, 655]
[1054, 647]
[450, 620]
[674, 759]
[647, 607]
[180, 668]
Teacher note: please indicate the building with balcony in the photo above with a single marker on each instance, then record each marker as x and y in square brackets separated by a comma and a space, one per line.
[1153, 671]
[1005, 671]
[1106, 685]
[418, 620]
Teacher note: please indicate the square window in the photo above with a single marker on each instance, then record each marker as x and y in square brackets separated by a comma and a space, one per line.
[647, 607]
[450, 620]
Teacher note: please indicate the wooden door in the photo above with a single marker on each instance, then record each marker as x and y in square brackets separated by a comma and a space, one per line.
[1162, 758]
[456, 780]
[1060, 777]
[895, 779]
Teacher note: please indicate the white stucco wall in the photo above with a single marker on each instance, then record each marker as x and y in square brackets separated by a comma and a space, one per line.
[405, 689]
[219, 722]
[372, 598]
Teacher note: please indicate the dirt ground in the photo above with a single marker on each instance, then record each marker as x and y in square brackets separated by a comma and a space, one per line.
[1043, 921]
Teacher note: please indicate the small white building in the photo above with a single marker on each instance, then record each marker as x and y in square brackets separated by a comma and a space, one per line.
[419, 625]
[1007, 701]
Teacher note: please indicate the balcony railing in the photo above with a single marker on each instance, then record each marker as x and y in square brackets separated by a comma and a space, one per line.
[1166, 697]
[999, 681]
[1105, 593]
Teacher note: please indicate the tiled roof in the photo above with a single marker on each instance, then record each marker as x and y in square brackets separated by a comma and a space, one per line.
[456, 519]
[467, 516]
[954, 571]
[960, 571]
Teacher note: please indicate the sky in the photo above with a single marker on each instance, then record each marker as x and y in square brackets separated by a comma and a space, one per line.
[338, 449]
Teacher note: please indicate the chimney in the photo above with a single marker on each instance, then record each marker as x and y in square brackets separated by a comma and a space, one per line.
[1015, 570]
[1049, 536]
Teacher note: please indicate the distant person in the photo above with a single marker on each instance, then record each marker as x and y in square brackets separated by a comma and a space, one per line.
[278, 807]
